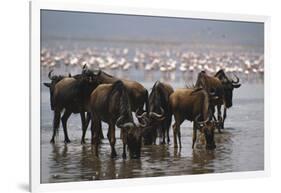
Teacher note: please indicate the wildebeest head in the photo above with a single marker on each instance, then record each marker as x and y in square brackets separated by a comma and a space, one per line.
[149, 128]
[207, 127]
[51, 85]
[228, 86]
[133, 136]
[54, 79]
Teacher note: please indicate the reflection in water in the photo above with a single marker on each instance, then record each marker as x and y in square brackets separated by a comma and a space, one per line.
[201, 159]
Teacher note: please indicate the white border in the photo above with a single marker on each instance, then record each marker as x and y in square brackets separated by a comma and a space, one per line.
[35, 7]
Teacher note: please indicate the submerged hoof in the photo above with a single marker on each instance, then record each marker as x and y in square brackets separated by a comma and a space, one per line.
[83, 141]
[113, 155]
[52, 141]
[124, 156]
[66, 141]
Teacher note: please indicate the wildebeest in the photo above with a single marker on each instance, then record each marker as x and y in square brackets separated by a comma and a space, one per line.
[222, 87]
[191, 104]
[137, 93]
[228, 85]
[70, 94]
[54, 80]
[160, 115]
[110, 103]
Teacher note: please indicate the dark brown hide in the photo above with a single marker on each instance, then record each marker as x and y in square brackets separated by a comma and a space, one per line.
[110, 103]
[160, 114]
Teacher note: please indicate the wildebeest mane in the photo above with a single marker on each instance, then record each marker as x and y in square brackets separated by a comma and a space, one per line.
[157, 91]
[200, 79]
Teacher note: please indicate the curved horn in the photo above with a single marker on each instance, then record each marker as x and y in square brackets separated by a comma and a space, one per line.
[145, 123]
[118, 121]
[237, 80]
[140, 116]
[128, 124]
[50, 74]
[84, 67]
[156, 115]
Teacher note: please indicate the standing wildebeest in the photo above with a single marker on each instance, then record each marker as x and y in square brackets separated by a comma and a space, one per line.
[160, 115]
[110, 103]
[137, 93]
[228, 86]
[223, 87]
[193, 105]
[54, 80]
[70, 94]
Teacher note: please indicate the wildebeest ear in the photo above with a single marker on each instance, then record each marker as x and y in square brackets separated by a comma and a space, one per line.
[47, 84]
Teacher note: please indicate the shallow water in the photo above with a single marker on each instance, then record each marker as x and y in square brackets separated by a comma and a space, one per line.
[239, 148]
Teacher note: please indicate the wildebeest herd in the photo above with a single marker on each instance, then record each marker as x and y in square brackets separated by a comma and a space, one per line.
[99, 97]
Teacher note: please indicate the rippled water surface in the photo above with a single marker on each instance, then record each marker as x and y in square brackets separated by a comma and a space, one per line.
[239, 148]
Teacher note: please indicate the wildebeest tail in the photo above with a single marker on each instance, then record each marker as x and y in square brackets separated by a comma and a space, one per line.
[125, 107]
[118, 86]
[205, 106]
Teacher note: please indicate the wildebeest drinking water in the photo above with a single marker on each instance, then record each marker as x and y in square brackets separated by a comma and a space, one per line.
[110, 103]
[192, 104]
[160, 114]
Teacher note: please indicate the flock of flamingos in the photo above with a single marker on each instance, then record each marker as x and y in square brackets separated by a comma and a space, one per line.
[165, 60]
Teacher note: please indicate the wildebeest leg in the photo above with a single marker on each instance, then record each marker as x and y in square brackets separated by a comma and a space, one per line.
[64, 119]
[112, 139]
[56, 124]
[194, 134]
[84, 126]
[124, 139]
[88, 119]
[224, 116]
[163, 133]
[168, 121]
[176, 129]
[95, 129]
[101, 133]
[219, 118]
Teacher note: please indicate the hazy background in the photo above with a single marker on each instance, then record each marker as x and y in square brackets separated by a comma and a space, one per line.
[81, 25]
